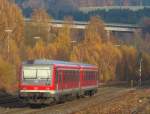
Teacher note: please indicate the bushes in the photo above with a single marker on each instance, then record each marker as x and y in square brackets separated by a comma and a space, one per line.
[146, 67]
[10, 50]
[7, 76]
[128, 64]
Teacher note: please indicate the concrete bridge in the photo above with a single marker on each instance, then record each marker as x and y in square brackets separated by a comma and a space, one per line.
[107, 8]
[109, 27]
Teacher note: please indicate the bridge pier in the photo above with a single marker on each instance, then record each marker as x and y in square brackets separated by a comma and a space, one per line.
[108, 35]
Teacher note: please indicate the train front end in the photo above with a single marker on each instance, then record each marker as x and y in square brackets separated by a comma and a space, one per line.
[36, 83]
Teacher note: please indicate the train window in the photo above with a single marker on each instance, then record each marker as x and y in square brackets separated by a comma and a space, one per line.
[60, 77]
[71, 75]
[90, 75]
[56, 79]
[65, 76]
[44, 73]
[37, 72]
[96, 75]
[93, 75]
[85, 75]
[75, 76]
[29, 73]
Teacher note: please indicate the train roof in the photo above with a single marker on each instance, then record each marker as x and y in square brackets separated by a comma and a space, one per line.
[55, 62]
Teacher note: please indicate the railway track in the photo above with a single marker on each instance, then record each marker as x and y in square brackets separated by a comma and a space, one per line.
[10, 101]
[7, 100]
[104, 95]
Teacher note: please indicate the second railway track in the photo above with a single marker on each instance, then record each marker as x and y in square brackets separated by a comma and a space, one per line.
[68, 107]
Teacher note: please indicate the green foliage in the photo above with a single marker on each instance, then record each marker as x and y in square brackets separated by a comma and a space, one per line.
[110, 16]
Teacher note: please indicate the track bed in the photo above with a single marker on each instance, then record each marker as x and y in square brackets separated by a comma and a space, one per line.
[104, 95]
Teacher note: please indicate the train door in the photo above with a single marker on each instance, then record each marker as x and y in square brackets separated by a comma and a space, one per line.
[60, 81]
[81, 78]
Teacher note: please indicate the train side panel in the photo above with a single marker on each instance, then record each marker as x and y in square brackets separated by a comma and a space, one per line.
[89, 82]
[65, 80]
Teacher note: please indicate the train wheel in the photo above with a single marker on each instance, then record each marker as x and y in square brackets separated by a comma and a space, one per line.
[32, 105]
[78, 96]
[57, 100]
[91, 93]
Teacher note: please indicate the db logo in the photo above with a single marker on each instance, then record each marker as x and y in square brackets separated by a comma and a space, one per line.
[35, 88]
[24, 88]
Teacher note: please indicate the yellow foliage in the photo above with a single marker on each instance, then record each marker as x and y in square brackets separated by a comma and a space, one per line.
[110, 56]
[14, 55]
[128, 64]
[114, 63]
[146, 67]
[11, 18]
[39, 49]
[40, 15]
[7, 76]
[95, 51]
[38, 52]
[62, 44]
[30, 53]
[39, 27]
[95, 31]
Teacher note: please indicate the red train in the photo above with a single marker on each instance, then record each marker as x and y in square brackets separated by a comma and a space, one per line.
[45, 81]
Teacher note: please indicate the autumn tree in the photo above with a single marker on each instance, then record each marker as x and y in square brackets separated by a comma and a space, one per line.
[39, 26]
[11, 18]
[146, 67]
[128, 65]
[8, 81]
[11, 43]
[38, 51]
[61, 47]
[30, 53]
[95, 30]
[11, 29]
[95, 50]
[94, 35]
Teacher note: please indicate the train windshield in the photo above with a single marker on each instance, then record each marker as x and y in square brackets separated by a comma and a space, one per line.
[37, 72]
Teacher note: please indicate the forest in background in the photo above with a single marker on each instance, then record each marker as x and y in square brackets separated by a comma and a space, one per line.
[86, 3]
[116, 61]
[59, 9]
[124, 16]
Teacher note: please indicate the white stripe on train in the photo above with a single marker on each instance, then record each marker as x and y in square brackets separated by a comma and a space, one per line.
[59, 91]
